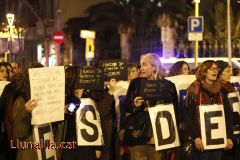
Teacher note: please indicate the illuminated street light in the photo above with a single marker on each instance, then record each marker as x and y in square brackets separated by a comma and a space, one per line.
[10, 19]
[89, 51]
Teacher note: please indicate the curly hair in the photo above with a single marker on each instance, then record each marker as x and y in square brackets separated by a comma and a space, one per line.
[202, 69]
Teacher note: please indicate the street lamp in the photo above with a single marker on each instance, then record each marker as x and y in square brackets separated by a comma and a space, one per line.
[229, 33]
[10, 19]
[89, 56]
[89, 50]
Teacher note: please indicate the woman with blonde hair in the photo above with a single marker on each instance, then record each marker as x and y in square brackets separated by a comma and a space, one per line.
[151, 69]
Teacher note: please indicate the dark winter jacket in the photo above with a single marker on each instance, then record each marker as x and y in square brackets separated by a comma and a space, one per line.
[167, 95]
[203, 97]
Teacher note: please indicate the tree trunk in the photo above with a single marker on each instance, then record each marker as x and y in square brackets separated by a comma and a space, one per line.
[125, 36]
[67, 50]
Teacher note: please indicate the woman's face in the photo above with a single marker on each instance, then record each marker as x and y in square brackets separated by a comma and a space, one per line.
[226, 75]
[212, 72]
[3, 73]
[133, 73]
[185, 69]
[10, 71]
[147, 70]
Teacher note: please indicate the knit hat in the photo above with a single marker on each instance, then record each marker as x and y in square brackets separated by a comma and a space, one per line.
[221, 65]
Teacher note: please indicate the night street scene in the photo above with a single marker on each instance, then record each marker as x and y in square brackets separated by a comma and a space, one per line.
[119, 79]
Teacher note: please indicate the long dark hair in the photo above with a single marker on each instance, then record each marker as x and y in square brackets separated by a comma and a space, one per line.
[176, 68]
[71, 76]
[5, 64]
[17, 88]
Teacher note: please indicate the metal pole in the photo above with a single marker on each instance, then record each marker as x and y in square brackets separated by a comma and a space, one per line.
[229, 34]
[46, 50]
[58, 51]
[11, 47]
[196, 42]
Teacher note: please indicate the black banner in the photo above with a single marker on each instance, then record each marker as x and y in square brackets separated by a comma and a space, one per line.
[90, 78]
[114, 69]
[152, 89]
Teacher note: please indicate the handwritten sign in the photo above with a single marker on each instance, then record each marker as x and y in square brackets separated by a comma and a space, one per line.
[89, 131]
[151, 89]
[48, 89]
[43, 136]
[114, 69]
[213, 126]
[90, 78]
[2, 86]
[164, 126]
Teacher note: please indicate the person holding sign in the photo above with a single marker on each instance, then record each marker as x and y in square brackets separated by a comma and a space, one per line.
[231, 96]
[4, 77]
[18, 115]
[120, 95]
[204, 93]
[106, 107]
[72, 101]
[142, 142]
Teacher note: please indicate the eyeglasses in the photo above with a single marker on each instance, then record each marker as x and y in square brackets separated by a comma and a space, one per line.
[214, 69]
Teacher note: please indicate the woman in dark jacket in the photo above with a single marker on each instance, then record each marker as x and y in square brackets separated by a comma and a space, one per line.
[106, 107]
[73, 95]
[204, 91]
[224, 76]
[4, 76]
[18, 114]
[151, 69]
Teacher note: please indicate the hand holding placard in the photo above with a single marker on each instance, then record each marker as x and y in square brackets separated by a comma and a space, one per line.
[48, 91]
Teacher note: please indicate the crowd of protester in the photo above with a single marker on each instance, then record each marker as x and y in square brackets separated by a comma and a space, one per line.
[212, 86]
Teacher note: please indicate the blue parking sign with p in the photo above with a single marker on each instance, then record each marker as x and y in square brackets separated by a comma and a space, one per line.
[195, 24]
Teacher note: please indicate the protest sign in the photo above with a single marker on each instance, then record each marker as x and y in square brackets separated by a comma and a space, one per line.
[90, 78]
[114, 69]
[119, 96]
[2, 86]
[235, 107]
[44, 142]
[48, 90]
[182, 82]
[89, 131]
[164, 126]
[152, 89]
[213, 126]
